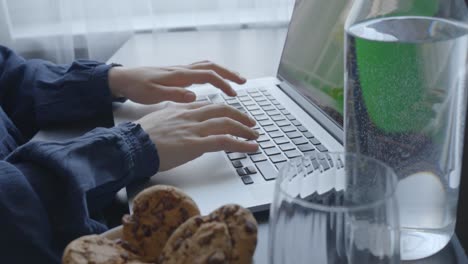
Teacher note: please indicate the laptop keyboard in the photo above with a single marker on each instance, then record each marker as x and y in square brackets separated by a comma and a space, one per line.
[282, 136]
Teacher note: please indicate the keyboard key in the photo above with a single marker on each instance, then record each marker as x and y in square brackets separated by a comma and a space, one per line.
[296, 123]
[267, 144]
[278, 118]
[236, 156]
[324, 164]
[270, 128]
[308, 134]
[273, 112]
[263, 103]
[285, 112]
[232, 101]
[216, 98]
[275, 102]
[237, 164]
[259, 151]
[236, 105]
[290, 117]
[263, 89]
[202, 99]
[249, 102]
[260, 99]
[281, 140]
[261, 117]
[306, 147]
[263, 139]
[300, 141]
[270, 97]
[321, 148]
[272, 151]
[315, 164]
[330, 160]
[302, 128]
[265, 92]
[256, 112]
[275, 134]
[247, 180]
[340, 164]
[250, 169]
[280, 107]
[266, 122]
[315, 141]
[258, 157]
[280, 165]
[241, 172]
[268, 108]
[267, 170]
[252, 107]
[283, 123]
[287, 129]
[278, 158]
[243, 98]
[287, 146]
[255, 94]
[292, 153]
[294, 134]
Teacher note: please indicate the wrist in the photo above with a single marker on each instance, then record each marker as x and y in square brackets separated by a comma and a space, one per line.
[117, 82]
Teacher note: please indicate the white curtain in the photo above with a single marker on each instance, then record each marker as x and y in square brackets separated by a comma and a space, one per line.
[63, 30]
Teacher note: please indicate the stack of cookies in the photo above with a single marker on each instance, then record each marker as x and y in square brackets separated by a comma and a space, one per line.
[166, 227]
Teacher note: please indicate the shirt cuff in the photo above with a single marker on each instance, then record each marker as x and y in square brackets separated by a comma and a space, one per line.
[142, 155]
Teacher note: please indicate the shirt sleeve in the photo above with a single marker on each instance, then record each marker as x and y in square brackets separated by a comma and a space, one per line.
[37, 93]
[49, 189]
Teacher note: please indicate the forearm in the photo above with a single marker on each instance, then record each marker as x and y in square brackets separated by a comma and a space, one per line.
[37, 93]
[50, 188]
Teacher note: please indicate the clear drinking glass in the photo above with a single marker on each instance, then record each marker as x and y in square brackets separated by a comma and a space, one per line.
[405, 104]
[334, 208]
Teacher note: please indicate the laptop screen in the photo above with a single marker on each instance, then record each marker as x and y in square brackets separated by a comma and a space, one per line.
[312, 59]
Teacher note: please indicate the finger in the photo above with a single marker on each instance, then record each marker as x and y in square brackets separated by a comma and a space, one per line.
[226, 143]
[189, 77]
[226, 126]
[222, 71]
[218, 110]
[175, 94]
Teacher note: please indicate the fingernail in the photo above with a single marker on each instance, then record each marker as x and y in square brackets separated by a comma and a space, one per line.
[190, 97]
[257, 134]
[252, 120]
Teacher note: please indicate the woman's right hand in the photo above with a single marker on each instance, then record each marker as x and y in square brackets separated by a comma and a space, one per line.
[183, 132]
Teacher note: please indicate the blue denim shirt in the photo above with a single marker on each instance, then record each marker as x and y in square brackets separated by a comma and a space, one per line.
[49, 189]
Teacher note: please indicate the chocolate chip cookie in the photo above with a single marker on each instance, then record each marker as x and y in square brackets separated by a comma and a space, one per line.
[97, 249]
[198, 241]
[241, 232]
[157, 212]
[242, 228]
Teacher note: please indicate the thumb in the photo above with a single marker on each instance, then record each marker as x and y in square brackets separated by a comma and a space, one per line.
[175, 94]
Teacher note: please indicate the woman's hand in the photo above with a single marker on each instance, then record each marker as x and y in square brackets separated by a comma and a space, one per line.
[183, 132]
[151, 85]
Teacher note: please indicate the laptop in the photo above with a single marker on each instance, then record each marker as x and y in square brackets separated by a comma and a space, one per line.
[298, 112]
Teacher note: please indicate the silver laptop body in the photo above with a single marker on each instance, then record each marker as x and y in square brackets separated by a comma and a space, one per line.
[299, 112]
